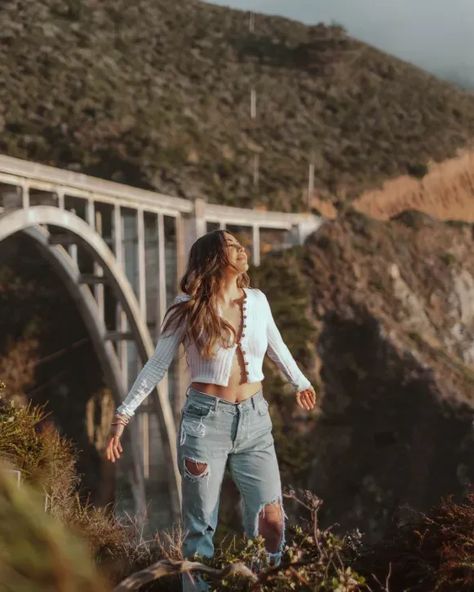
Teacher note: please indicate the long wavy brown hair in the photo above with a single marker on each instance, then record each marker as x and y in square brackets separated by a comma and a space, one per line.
[202, 282]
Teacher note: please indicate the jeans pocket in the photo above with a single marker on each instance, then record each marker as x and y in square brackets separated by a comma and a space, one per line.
[193, 421]
[193, 426]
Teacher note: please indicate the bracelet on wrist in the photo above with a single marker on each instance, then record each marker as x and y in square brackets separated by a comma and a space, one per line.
[120, 419]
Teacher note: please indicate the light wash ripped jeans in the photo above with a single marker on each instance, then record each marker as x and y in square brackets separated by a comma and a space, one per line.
[213, 431]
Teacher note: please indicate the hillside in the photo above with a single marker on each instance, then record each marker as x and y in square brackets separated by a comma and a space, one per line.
[156, 94]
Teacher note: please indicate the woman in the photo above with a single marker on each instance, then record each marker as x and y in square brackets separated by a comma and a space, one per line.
[225, 418]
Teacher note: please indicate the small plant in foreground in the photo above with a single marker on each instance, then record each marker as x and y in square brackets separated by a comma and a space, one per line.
[313, 559]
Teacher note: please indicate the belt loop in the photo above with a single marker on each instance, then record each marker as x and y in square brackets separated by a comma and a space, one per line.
[216, 402]
[254, 405]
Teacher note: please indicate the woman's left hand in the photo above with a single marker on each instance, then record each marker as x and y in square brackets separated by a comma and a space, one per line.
[306, 398]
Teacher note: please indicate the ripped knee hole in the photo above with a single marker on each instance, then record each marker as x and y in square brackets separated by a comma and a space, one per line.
[271, 525]
[271, 514]
[195, 467]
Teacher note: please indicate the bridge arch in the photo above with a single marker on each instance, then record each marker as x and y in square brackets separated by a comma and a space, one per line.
[34, 222]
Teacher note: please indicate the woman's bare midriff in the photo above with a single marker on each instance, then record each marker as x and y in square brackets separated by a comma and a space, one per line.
[238, 388]
[234, 394]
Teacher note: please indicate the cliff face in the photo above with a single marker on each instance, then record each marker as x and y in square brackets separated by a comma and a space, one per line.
[157, 94]
[394, 303]
[392, 308]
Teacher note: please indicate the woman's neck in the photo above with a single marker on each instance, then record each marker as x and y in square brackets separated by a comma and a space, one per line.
[230, 292]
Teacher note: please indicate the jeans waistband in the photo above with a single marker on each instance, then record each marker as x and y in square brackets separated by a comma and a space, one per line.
[215, 400]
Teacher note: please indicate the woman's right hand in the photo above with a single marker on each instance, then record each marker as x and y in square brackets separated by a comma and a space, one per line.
[114, 447]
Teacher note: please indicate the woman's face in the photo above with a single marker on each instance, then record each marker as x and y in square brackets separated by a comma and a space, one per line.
[236, 253]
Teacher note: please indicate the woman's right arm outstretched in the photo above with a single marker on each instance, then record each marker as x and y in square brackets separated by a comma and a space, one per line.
[149, 376]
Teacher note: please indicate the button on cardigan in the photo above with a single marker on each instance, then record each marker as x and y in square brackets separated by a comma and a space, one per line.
[260, 335]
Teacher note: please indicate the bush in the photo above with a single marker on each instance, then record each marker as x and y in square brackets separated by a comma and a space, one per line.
[313, 559]
[431, 551]
[40, 453]
[417, 169]
[47, 461]
[36, 550]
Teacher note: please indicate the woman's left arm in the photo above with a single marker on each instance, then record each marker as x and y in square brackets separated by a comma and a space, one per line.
[278, 351]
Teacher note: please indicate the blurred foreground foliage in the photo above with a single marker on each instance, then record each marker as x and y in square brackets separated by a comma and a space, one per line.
[37, 552]
[50, 540]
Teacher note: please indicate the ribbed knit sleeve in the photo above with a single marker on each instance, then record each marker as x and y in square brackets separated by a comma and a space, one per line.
[278, 352]
[155, 368]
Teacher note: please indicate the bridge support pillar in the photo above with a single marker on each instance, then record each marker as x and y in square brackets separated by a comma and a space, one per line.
[194, 225]
[256, 245]
[11, 198]
[182, 372]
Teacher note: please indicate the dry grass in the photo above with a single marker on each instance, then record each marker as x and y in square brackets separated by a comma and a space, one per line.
[446, 192]
[48, 462]
[44, 457]
[433, 551]
[17, 364]
[37, 552]
[169, 542]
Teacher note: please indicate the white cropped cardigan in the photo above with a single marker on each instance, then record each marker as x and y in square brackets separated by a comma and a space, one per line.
[260, 335]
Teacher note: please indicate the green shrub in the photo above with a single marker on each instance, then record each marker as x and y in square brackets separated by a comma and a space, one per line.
[313, 559]
[417, 169]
